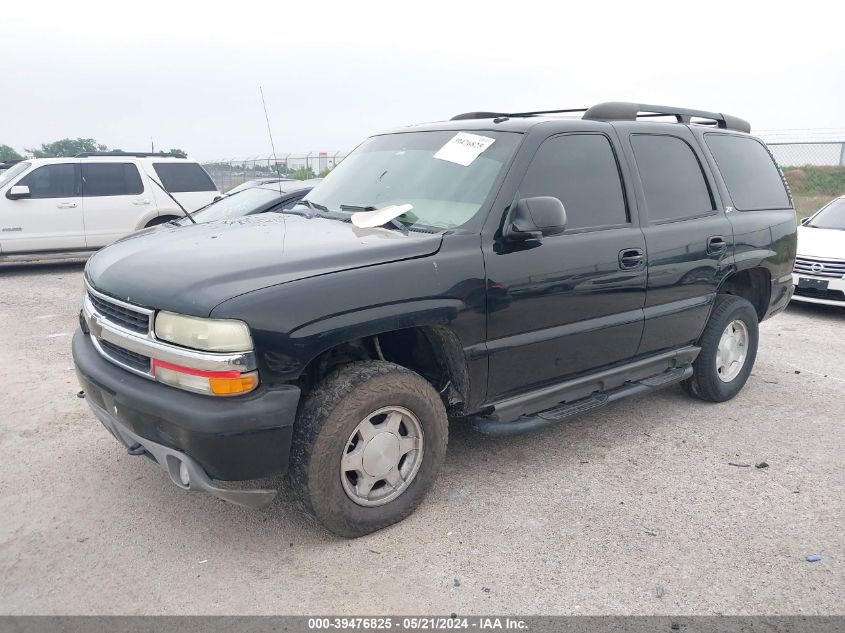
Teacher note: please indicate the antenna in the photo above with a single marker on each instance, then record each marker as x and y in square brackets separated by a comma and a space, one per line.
[272, 145]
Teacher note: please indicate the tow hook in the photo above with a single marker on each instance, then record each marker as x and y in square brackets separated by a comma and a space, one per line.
[136, 449]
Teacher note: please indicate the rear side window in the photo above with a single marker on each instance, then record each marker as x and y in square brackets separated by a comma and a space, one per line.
[673, 181]
[52, 181]
[751, 176]
[111, 179]
[183, 177]
[581, 171]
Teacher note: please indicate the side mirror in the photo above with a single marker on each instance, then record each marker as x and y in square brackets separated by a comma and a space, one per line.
[805, 221]
[535, 218]
[17, 192]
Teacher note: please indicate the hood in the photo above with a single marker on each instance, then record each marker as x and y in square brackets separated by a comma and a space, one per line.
[191, 269]
[821, 243]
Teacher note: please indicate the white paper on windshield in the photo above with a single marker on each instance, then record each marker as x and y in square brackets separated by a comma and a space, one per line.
[463, 148]
[379, 217]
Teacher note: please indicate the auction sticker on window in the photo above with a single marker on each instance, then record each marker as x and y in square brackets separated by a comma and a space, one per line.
[463, 148]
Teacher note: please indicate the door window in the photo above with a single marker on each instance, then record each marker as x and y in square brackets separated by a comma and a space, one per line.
[52, 181]
[581, 171]
[673, 180]
[111, 179]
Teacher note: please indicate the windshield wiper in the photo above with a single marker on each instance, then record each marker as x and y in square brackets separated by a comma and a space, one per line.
[314, 205]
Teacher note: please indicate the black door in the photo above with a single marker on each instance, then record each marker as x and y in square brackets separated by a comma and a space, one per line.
[573, 302]
[688, 237]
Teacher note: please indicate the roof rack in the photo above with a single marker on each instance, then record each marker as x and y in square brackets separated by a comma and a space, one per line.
[135, 154]
[624, 111]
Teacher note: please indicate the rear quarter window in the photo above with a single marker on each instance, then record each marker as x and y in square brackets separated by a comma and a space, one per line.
[753, 180]
[183, 177]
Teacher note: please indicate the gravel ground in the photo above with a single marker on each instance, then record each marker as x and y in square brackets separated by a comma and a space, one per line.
[631, 509]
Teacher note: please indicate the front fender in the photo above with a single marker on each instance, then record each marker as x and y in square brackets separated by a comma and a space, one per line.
[293, 323]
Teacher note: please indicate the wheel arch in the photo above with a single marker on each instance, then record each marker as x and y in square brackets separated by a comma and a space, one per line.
[752, 284]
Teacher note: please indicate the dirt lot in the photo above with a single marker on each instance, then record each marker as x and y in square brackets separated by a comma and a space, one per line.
[633, 509]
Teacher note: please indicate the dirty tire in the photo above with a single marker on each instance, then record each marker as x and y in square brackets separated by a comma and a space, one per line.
[329, 416]
[705, 383]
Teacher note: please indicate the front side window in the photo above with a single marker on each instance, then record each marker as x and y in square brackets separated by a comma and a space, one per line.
[111, 179]
[398, 169]
[581, 171]
[52, 181]
[183, 177]
[830, 217]
[673, 180]
[10, 174]
[751, 176]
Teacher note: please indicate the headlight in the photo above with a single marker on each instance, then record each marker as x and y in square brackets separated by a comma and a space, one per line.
[210, 335]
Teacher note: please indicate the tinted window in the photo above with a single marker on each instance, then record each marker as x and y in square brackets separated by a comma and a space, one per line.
[750, 174]
[581, 171]
[52, 181]
[111, 179]
[183, 177]
[673, 181]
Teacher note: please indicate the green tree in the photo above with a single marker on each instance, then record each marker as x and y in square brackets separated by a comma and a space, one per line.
[67, 147]
[179, 153]
[324, 173]
[7, 153]
[302, 173]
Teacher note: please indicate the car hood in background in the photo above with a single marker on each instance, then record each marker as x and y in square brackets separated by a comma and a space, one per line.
[192, 269]
[821, 243]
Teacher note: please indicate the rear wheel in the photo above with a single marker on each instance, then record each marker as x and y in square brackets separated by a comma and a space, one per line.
[367, 447]
[728, 350]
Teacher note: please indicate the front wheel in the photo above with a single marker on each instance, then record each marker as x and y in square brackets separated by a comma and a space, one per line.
[728, 350]
[367, 447]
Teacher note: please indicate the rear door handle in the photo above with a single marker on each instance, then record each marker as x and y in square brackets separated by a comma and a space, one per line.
[631, 259]
[716, 244]
[140, 202]
[66, 205]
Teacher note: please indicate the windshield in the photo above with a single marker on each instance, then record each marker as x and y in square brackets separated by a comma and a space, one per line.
[401, 169]
[235, 205]
[10, 174]
[830, 217]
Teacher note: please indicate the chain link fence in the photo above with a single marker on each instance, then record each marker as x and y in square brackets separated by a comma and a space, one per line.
[815, 171]
[231, 172]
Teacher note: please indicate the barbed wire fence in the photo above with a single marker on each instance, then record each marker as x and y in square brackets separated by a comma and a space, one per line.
[231, 172]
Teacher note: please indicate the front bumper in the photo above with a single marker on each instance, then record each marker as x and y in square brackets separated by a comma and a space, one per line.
[238, 438]
[833, 296]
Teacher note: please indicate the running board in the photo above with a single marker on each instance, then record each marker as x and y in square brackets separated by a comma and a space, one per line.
[526, 423]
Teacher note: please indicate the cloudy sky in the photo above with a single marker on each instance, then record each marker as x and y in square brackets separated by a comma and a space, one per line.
[187, 74]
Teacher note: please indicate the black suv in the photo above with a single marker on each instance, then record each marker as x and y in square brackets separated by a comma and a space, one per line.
[499, 270]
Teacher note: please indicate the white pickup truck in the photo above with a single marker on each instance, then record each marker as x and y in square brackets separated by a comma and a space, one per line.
[54, 208]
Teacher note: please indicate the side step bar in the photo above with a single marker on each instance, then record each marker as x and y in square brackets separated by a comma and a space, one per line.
[526, 423]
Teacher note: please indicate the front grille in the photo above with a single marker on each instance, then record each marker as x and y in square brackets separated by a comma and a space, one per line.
[830, 295]
[820, 267]
[119, 315]
[132, 359]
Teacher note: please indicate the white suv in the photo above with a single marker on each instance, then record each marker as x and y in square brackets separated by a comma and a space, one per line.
[69, 207]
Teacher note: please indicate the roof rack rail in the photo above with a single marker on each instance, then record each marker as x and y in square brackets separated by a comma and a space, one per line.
[624, 111]
[135, 154]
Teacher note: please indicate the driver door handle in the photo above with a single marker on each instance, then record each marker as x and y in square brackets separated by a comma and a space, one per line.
[631, 259]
